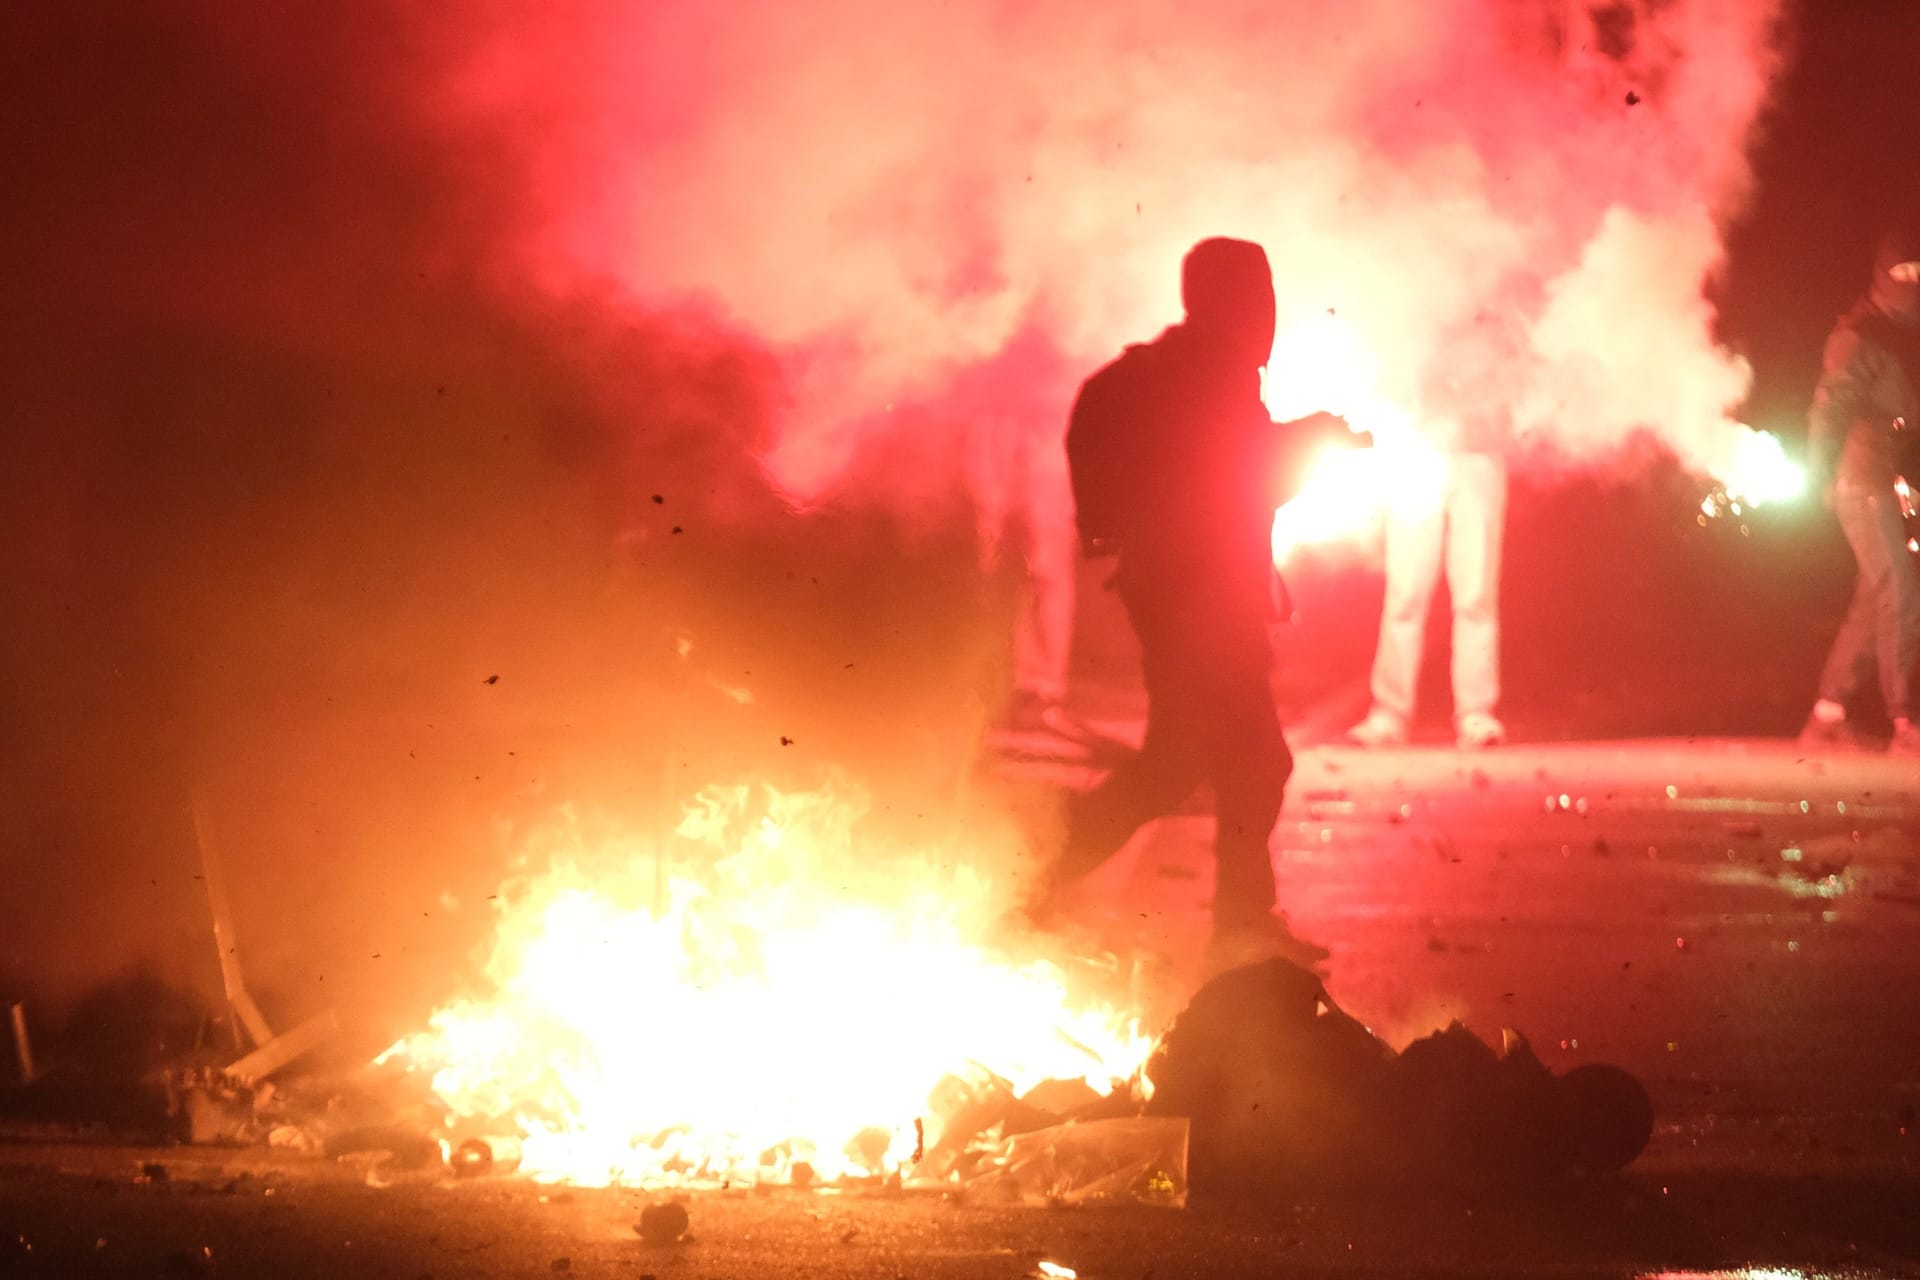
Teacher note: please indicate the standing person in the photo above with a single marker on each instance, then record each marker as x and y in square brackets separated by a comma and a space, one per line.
[1865, 409]
[1025, 504]
[1456, 530]
[1177, 470]
[1043, 629]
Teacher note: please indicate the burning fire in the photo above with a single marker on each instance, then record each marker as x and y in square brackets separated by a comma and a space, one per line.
[760, 991]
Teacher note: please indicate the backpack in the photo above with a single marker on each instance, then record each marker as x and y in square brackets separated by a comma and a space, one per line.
[1108, 435]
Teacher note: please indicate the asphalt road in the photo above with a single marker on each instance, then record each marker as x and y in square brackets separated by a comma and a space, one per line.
[1732, 922]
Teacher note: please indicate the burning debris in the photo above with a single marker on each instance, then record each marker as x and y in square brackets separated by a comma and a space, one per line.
[787, 1019]
[785, 1002]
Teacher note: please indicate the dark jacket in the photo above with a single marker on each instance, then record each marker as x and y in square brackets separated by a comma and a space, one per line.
[1178, 467]
[1867, 386]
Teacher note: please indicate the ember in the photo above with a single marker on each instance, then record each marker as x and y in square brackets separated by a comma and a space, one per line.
[759, 994]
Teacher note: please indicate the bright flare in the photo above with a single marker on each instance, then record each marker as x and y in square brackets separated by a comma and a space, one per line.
[1320, 362]
[1761, 471]
[1752, 470]
[759, 991]
[1349, 492]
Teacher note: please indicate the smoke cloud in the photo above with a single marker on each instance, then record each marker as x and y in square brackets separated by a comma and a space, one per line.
[890, 196]
[425, 416]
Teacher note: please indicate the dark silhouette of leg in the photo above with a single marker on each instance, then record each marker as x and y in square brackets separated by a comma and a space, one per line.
[1162, 774]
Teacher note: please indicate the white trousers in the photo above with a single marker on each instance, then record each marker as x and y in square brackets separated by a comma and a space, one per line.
[1461, 534]
[1043, 630]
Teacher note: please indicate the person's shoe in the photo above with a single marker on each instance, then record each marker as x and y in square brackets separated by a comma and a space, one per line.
[1478, 730]
[1823, 734]
[1906, 740]
[1063, 724]
[1379, 729]
[1243, 940]
[1033, 714]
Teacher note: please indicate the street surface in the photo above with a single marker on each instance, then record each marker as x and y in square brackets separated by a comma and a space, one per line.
[1732, 922]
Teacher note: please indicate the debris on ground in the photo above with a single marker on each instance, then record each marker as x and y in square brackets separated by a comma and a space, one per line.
[1285, 1089]
[663, 1223]
[1136, 1158]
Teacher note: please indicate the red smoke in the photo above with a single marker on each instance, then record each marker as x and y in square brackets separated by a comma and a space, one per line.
[889, 195]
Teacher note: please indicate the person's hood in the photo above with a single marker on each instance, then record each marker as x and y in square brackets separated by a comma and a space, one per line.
[1227, 288]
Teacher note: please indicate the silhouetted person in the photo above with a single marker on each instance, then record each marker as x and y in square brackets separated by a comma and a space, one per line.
[1177, 469]
[1865, 410]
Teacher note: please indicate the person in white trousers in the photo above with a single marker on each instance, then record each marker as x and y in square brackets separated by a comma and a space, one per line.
[1043, 629]
[1457, 531]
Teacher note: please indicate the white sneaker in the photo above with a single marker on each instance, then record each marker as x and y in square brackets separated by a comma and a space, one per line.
[1379, 729]
[1478, 730]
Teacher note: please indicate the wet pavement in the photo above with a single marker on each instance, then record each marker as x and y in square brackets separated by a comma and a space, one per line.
[1731, 921]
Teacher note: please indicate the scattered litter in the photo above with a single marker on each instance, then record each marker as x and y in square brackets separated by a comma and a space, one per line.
[1132, 1158]
[291, 1137]
[188, 1262]
[663, 1223]
[479, 1157]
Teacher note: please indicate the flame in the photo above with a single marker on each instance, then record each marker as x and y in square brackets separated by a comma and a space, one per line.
[759, 991]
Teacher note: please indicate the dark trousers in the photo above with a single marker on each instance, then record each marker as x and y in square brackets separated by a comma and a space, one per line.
[1882, 626]
[1210, 717]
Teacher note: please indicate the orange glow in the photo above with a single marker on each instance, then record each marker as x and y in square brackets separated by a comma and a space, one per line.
[761, 990]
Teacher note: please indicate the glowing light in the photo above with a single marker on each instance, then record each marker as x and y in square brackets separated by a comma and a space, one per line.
[757, 993]
[1753, 471]
[1320, 362]
[1058, 1272]
[1349, 492]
